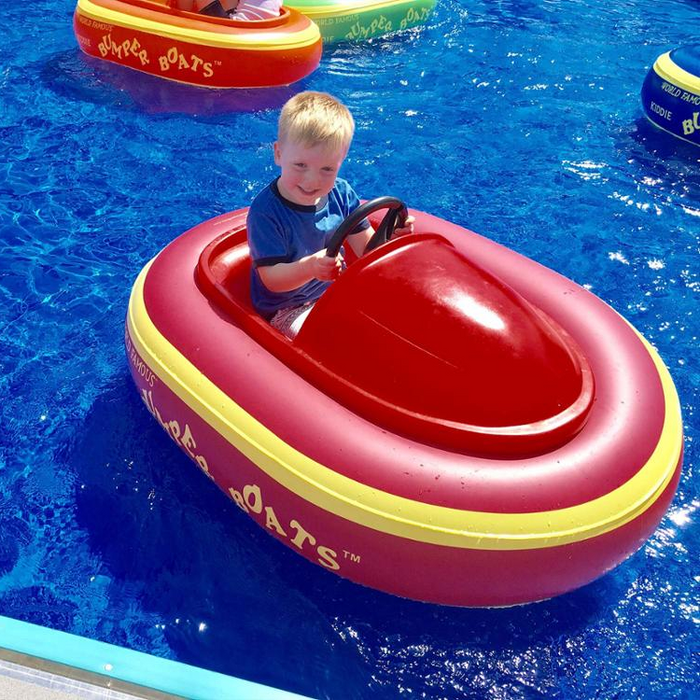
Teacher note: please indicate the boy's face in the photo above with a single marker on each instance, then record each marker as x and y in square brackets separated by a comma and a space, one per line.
[307, 172]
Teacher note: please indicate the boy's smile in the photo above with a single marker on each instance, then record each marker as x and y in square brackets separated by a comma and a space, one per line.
[307, 172]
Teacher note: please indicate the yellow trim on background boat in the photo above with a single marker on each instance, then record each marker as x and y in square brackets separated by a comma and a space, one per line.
[395, 515]
[350, 8]
[246, 39]
[673, 73]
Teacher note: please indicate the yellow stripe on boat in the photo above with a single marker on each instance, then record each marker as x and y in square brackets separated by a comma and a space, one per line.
[669, 71]
[395, 515]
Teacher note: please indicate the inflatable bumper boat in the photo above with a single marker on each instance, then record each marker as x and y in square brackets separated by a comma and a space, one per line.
[357, 20]
[454, 422]
[671, 93]
[151, 37]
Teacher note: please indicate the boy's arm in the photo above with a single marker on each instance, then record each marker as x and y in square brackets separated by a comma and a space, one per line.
[269, 244]
[358, 241]
[284, 277]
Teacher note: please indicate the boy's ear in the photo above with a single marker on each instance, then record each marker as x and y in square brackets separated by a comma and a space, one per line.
[276, 149]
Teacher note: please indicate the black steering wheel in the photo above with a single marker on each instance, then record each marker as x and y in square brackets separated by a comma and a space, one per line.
[393, 219]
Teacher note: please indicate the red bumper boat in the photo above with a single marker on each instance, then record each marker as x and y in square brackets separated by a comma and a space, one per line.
[454, 423]
[152, 37]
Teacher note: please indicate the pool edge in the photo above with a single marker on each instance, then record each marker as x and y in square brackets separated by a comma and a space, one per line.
[101, 664]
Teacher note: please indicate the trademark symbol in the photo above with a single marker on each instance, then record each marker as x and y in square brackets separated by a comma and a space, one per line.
[355, 558]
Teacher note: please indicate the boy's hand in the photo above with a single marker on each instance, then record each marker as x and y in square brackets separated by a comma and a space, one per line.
[406, 229]
[324, 268]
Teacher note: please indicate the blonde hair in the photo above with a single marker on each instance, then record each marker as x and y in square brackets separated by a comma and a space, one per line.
[313, 118]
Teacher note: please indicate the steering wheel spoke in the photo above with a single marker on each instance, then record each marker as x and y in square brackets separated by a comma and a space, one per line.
[395, 217]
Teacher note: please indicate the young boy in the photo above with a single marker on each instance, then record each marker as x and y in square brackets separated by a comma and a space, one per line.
[291, 221]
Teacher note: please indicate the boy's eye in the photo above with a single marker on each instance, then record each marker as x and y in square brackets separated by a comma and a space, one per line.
[300, 165]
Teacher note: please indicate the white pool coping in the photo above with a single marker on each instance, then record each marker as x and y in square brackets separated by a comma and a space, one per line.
[23, 681]
[62, 665]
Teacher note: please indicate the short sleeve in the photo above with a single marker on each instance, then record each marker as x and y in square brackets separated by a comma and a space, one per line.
[267, 238]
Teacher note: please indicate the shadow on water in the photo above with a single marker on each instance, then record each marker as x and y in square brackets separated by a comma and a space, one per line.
[30, 603]
[227, 593]
[168, 534]
[665, 147]
[73, 75]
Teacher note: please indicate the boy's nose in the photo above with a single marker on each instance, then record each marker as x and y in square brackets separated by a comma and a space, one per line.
[310, 178]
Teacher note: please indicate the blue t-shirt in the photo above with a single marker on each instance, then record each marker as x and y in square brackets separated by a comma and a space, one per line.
[280, 231]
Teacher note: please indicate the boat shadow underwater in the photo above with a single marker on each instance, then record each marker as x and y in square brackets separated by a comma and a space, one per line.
[662, 147]
[77, 76]
[172, 548]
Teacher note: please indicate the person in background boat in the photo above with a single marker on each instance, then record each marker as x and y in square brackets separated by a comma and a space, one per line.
[232, 9]
[291, 221]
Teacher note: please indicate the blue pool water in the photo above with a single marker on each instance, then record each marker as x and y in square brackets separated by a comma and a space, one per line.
[519, 119]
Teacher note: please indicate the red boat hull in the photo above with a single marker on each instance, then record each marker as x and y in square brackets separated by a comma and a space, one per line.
[195, 49]
[388, 512]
